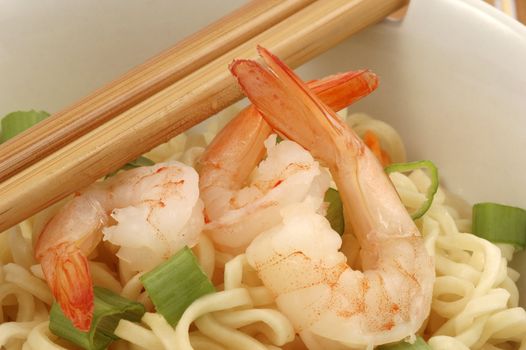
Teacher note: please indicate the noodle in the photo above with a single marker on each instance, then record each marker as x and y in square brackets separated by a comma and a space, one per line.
[275, 326]
[206, 255]
[103, 277]
[40, 338]
[15, 330]
[22, 250]
[474, 305]
[22, 278]
[138, 335]
[218, 318]
[230, 337]
[133, 288]
[389, 137]
[474, 299]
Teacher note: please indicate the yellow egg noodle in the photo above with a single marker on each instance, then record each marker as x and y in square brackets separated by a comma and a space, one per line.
[475, 298]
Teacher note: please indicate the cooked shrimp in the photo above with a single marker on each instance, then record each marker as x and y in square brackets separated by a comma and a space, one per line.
[299, 259]
[155, 210]
[237, 214]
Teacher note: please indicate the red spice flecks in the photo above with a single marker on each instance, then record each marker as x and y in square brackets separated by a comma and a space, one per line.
[161, 169]
[395, 308]
[277, 183]
[388, 326]
[207, 219]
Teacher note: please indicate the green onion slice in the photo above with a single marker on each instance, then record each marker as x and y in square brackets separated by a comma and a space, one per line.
[139, 162]
[433, 187]
[109, 309]
[419, 344]
[175, 284]
[500, 223]
[16, 122]
[335, 210]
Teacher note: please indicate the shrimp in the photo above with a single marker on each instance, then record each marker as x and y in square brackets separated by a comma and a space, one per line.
[299, 260]
[235, 214]
[155, 210]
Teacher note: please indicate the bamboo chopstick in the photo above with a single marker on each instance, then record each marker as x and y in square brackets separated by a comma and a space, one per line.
[143, 81]
[520, 6]
[298, 38]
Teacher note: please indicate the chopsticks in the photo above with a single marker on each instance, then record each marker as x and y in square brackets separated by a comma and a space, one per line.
[520, 6]
[142, 82]
[179, 106]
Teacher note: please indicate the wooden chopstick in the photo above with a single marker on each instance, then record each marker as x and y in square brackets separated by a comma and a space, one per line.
[520, 6]
[190, 100]
[143, 81]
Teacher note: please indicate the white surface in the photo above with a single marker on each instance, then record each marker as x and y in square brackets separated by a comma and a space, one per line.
[453, 74]
[53, 52]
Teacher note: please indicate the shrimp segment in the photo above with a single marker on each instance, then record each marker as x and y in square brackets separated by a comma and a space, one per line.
[239, 147]
[67, 271]
[156, 211]
[299, 260]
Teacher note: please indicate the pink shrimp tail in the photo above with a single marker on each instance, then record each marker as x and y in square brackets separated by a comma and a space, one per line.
[338, 91]
[278, 93]
[68, 275]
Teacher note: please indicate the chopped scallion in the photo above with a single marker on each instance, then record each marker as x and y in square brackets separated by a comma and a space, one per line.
[419, 344]
[500, 223]
[335, 210]
[175, 284]
[109, 309]
[433, 187]
[16, 122]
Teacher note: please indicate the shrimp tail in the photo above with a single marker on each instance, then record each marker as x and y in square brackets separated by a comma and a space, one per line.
[278, 93]
[224, 146]
[68, 275]
[337, 91]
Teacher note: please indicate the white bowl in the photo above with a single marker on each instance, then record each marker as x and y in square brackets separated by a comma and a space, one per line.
[453, 75]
